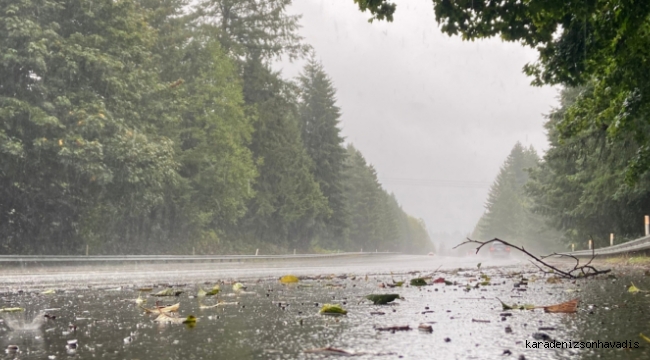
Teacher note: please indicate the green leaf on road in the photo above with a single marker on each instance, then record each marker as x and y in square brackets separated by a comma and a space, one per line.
[332, 309]
[382, 299]
[418, 282]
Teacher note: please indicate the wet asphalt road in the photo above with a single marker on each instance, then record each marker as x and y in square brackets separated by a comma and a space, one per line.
[94, 305]
[75, 276]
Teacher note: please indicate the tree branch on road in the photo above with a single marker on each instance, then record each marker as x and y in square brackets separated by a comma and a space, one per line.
[578, 271]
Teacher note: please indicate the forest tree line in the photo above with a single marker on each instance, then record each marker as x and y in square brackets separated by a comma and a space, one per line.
[586, 186]
[160, 126]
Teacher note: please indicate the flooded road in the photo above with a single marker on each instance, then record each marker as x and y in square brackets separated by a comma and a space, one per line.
[269, 320]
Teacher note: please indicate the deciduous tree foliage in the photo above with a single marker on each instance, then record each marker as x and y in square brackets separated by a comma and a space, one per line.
[580, 185]
[76, 123]
[602, 42]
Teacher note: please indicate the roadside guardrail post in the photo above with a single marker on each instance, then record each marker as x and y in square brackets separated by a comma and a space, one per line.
[647, 225]
[573, 247]
[589, 244]
[611, 239]
[257, 252]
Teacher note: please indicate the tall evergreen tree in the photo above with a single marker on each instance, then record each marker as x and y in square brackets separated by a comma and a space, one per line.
[288, 199]
[321, 135]
[370, 222]
[508, 209]
[255, 28]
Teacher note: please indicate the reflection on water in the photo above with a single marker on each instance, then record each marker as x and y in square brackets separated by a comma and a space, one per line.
[273, 321]
[611, 314]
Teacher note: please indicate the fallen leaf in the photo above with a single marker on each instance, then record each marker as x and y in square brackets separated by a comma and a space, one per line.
[570, 306]
[190, 320]
[439, 281]
[289, 279]
[633, 289]
[162, 309]
[140, 300]
[516, 307]
[382, 299]
[332, 309]
[14, 309]
[48, 292]
[168, 292]
[214, 291]
[644, 337]
[238, 286]
[418, 282]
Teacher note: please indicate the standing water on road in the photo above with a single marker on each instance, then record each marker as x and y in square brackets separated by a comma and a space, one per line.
[455, 316]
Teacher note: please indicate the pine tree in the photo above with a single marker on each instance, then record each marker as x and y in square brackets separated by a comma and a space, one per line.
[508, 210]
[322, 138]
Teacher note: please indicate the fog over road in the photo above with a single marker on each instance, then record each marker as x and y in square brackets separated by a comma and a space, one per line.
[83, 276]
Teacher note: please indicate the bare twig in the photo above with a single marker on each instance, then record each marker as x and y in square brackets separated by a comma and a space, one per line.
[578, 271]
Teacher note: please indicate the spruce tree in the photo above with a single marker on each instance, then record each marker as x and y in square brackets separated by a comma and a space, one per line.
[321, 135]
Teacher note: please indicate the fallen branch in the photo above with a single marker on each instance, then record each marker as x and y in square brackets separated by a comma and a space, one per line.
[578, 271]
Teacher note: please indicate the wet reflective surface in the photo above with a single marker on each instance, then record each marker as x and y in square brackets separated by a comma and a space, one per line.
[273, 321]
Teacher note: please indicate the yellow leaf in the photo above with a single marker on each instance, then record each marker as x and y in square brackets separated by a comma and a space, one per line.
[162, 309]
[633, 289]
[332, 309]
[16, 309]
[644, 337]
[140, 300]
[289, 279]
[238, 287]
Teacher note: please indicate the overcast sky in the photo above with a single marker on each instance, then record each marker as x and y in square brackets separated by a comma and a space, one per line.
[436, 116]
